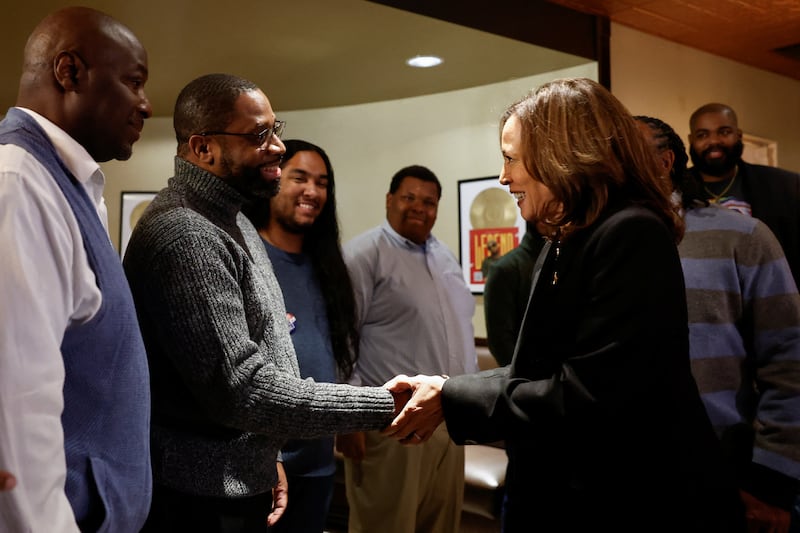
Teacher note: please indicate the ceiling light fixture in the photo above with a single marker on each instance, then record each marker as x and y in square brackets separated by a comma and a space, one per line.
[424, 61]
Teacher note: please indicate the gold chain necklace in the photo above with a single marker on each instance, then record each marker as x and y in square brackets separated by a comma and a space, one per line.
[715, 198]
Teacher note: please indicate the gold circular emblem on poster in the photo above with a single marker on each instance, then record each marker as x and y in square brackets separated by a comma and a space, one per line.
[137, 211]
[493, 208]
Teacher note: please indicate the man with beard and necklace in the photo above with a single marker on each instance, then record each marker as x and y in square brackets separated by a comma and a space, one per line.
[767, 193]
[226, 388]
[744, 339]
[301, 235]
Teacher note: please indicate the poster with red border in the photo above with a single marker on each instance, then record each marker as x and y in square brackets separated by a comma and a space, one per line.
[486, 212]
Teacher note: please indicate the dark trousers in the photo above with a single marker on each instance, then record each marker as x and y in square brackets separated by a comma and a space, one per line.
[174, 511]
[309, 500]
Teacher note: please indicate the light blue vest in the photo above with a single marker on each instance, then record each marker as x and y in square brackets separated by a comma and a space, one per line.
[106, 416]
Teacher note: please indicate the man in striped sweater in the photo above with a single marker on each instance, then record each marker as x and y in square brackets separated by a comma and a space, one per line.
[744, 326]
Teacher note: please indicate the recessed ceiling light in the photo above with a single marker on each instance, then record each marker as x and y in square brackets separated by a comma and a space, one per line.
[424, 61]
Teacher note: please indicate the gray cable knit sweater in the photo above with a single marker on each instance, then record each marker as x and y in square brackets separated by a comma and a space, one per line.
[226, 390]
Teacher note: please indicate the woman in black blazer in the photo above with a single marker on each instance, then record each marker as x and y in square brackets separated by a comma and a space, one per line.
[602, 419]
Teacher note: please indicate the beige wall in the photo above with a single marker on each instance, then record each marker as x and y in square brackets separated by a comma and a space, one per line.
[652, 76]
[455, 133]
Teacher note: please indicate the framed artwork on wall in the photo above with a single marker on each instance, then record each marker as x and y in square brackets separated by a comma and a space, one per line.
[760, 151]
[489, 226]
[132, 206]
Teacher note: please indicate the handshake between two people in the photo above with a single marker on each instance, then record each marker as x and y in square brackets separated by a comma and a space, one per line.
[418, 407]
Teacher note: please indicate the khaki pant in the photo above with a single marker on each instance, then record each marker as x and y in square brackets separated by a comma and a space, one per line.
[406, 488]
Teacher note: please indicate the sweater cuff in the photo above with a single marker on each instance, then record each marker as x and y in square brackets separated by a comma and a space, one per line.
[770, 486]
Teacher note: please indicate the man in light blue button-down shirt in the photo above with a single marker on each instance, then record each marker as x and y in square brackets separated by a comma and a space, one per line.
[415, 317]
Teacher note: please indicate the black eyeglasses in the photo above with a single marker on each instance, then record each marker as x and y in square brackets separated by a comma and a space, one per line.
[261, 137]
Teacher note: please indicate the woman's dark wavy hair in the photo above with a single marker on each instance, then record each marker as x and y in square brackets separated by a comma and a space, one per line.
[323, 246]
[581, 142]
[682, 180]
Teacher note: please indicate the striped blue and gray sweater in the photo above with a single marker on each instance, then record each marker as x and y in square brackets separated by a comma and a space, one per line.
[744, 321]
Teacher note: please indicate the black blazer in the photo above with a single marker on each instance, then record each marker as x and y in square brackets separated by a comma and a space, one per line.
[505, 296]
[599, 410]
[774, 196]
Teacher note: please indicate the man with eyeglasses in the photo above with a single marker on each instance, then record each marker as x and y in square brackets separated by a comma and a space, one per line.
[227, 391]
[414, 316]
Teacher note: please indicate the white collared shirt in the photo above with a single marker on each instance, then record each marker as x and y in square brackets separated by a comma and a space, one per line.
[46, 285]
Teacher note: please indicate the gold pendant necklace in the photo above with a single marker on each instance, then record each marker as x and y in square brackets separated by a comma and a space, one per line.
[555, 261]
[715, 198]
